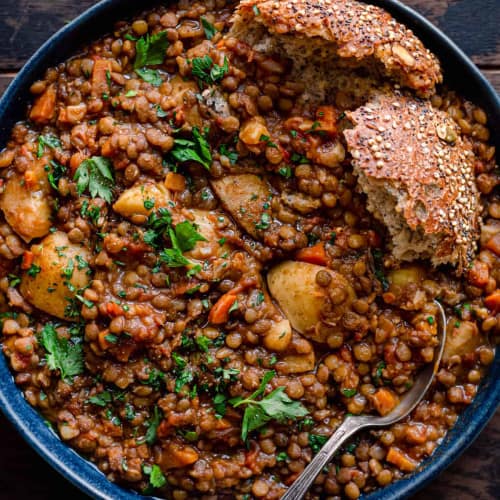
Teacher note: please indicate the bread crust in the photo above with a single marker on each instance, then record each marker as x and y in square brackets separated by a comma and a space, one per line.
[356, 30]
[414, 153]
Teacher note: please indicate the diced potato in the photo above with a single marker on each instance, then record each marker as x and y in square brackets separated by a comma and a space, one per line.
[404, 276]
[253, 130]
[131, 202]
[293, 285]
[296, 363]
[279, 336]
[461, 339]
[25, 205]
[48, 289]
[205, 222]
[245, 197]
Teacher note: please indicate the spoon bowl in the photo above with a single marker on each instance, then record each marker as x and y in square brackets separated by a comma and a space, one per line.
[353, 424]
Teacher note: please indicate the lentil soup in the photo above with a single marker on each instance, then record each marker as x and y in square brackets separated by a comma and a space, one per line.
[193, 291]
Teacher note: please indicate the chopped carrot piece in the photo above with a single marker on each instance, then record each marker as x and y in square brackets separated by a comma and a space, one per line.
[175, 182]
[220, 311]
[327, 119]
[313, 255]
[479, 274]
[100, 77]
[75, 160]
[401, 460]
[45, 106]
[103, 342]
[494, 244]
[107, 149]
[181, 456]
[114, 309]
[492, 302]
[30, 179]
[384, 401]
[27, 261]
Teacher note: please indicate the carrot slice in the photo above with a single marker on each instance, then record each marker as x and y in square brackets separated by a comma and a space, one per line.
[27, 261]
[492, 302]
[479, 274]
[494, 244]
[384, 401]
[45, 106]
[220, 311]
[100, 77]
[401, 460]
[313, 255]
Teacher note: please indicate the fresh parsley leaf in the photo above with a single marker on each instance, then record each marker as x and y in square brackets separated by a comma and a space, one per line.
[150, 50]
[265, 221]
[153, 425]
[101, 399]
[316, 442]
[33, 270]
[185, 377]
[156, 477]
[378, 260]
[207, 72]
[286, 172]
[96, 175]
[220, 405]
[282, 456]
[131, 93]
[56, 172]
[232, 155]
[151, 76]
[50, 141]
[349, 393]
[187, 236]
[172, 257]
[62, 355]
[203, 342]
[210, 30]
[275, 406]
[197, 150]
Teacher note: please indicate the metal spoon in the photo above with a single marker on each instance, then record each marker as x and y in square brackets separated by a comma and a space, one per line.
[351, 425]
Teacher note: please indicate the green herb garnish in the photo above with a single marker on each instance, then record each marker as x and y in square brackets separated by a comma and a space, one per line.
[62, 355]
[275, 406]
[96, 175]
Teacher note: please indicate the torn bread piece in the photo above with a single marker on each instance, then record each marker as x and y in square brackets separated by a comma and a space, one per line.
[338, 33]
[418, 175]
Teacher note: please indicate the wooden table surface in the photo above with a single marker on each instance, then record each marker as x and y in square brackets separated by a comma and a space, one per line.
[473, 24]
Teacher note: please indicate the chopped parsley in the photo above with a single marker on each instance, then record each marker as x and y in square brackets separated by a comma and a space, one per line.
[150, 50]
[349, 393]
[379, 269]
[207, 72]
[96, 175]
[55, 173]
[151, 76]
[156, 477]
[275, 406]
[33, 270]
[316, 442]
[209, 28]
[101, 399]
[265, 221]
[232, 155]
[62, 354]
[50, 141]
[197, 150]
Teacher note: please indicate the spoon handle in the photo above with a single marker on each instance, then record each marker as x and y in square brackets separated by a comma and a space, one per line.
[300, 487]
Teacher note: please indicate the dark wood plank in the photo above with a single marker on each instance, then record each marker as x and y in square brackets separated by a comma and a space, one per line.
[26, 24]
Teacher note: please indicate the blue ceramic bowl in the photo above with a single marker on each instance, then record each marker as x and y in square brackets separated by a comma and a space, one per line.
[460, 74]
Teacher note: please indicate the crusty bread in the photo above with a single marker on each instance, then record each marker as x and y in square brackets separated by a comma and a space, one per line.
[354, 33]
[417, 173]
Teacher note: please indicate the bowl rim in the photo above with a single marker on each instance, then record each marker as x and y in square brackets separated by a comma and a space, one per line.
[81, 472]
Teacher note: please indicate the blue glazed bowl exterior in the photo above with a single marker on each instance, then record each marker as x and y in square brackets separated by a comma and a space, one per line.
[460, 74]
